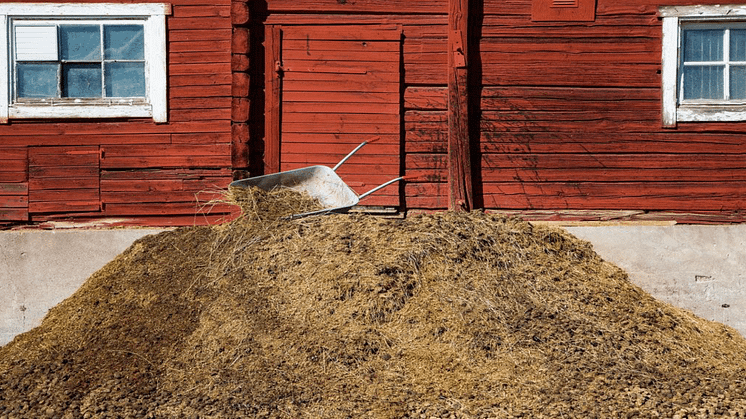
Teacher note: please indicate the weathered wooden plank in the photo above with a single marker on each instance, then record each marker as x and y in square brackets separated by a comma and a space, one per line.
[165, 150]
[342, 33]
[371, 129]
[207, 114]
[331, 158]
[13, 214]
[139, 185]
[64, 171]
[340, 97]
[214, 23]
[405, 20]
[336, 119]
[14, 166]
[157, 197]
[8, 154]
[165, 161]
[425, 98]
[136, 127]
[307, 46]
[340, 67]
[203, 10]
[60, 160]
[610, 142]
[13, 177]
[341, 86]
[86, 152]
[570, 56]
[349, 139]
[340, 148]
[13, 201]
[14, 189]
[361, 77]
[63, 183]
[63, 206]
[200, 57]
[163, 185]
[295, 58]
[179, 173]
[216, 103]
[198, 34]
[190, 91]
[613, 175]
[335, 108]
[551, 73]
[33, 140]
[201, 138]
[63, 195]
[222, 46]
[428, 147]
[211, 68]
[699, 161]
[370, 6]
[547, 47]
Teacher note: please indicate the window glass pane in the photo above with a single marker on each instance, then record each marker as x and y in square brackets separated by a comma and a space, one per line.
[125, 79]
[81, 80]
[738, 82]
[703, 82]
[703, 45]
[80, 42]
[738, 45]
[124, 42]
[37, 80]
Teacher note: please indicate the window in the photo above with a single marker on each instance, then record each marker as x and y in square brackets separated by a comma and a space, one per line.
[84, 61]
[704, 63]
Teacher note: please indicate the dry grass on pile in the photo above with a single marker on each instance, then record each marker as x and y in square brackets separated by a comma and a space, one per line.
[447, 315]
[259, 205]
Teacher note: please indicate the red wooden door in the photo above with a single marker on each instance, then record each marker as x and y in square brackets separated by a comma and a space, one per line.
[331, 88]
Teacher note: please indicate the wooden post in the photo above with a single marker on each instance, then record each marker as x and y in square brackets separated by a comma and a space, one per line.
[459, 158]
[272, 82]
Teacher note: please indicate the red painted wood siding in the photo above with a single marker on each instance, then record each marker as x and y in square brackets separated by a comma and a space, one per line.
[570, 112]
[571, 119]
[135, 170]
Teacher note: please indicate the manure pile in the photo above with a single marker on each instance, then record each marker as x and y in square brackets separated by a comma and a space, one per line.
[344, 316]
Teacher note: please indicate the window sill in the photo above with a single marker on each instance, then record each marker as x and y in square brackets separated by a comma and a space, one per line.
[79, 111]
[704, 113]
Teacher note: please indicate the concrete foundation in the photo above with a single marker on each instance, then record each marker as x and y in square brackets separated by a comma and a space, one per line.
[40, 268]
[699, 268]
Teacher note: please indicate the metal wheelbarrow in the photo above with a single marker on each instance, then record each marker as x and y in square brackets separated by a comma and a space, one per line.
[320, 182]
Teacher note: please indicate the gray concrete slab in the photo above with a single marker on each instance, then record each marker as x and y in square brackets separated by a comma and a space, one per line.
[40, 268]
[698, 268]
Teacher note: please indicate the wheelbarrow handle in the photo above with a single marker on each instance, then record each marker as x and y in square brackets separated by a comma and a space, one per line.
[353, 152]
[379, 187]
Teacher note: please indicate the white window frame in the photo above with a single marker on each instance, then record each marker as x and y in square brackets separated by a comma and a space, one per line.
[673, 110]
[153, 18]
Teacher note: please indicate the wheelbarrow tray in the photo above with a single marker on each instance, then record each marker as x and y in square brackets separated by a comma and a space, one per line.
[319, 182]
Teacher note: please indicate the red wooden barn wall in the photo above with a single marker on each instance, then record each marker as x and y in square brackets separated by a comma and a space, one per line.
[571, 120]
[135, 171]
[570, 113]
[569, 116]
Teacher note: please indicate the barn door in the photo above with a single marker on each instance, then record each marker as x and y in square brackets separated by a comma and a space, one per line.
[329, 89]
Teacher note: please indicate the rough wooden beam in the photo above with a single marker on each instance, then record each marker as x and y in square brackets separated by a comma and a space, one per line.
[460, 196]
